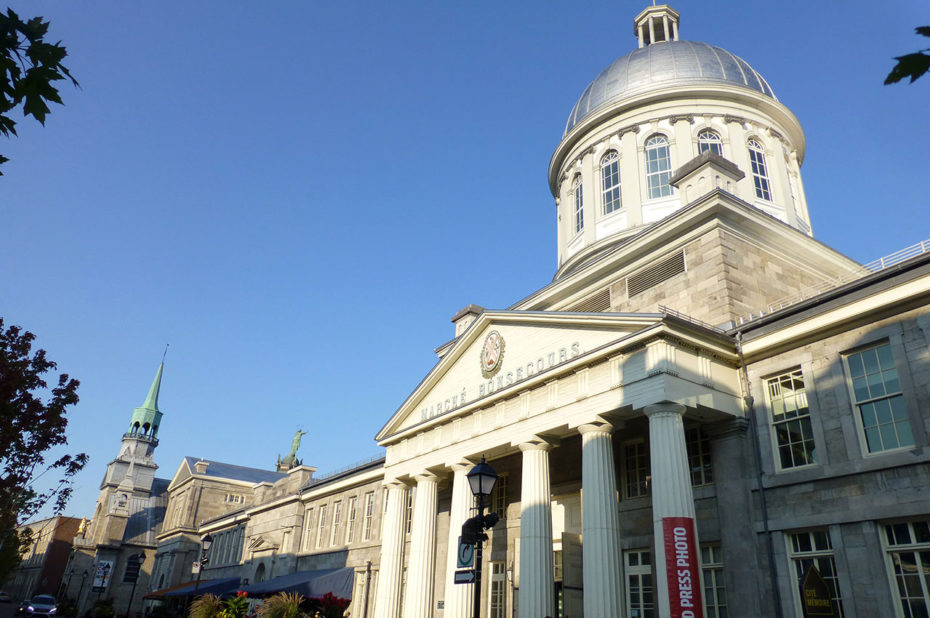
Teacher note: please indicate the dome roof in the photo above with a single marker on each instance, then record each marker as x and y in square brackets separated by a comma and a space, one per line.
[661, 65]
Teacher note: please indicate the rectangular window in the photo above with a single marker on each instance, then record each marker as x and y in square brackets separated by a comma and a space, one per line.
[499, 497]
[497, 591]
[408, 512]
[308, 530]
[699, 460]
[876, 392]
[908, 558]
[321, 524]
[636, 469]
[715, 592]
[337, 519]
[760, 175]
[814, 548]
[578, 195]
[638, 573]
[350, 518]
[791, 421]
[369, 513]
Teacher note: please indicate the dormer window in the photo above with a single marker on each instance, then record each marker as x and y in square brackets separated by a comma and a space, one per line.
[658, 167]
[760, 174]
[709, 141]
[610, 183]
[578, 201]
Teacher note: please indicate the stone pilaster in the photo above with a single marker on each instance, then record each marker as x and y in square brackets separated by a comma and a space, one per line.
[536, 583]
[387, 599]
[601, 551]
[728, 441]
[459, 601]
[671, 496]
[418, 599]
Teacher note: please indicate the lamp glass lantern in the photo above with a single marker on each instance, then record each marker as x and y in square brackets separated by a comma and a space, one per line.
[481, 479]
[206, 542]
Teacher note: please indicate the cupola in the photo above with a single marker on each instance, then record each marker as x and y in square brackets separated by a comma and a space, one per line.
[649, 113]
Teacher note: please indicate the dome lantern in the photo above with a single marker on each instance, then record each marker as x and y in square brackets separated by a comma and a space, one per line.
[656, 24]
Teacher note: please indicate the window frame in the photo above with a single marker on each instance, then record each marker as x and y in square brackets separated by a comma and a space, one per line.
[714, 580]
[614, 189]
[577, 205]
[642, 464]
[368, 516]
[699, 451]
[351, 513]
[321, 525]
[499, 497]
[773, 424]
[761, 181]
[912, 547]
[640, 571]
[704, 144]
[795, 556]
[337, 520]
[855, 403]
[663, 174]
[307, 543]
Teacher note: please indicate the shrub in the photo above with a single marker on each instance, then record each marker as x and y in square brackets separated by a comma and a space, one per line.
[206, 606]
[281, 605]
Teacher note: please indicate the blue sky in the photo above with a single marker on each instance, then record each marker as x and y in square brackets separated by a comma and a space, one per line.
[298, 196]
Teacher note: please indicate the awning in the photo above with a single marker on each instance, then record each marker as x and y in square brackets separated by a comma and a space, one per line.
[311, 584]
[209, 586]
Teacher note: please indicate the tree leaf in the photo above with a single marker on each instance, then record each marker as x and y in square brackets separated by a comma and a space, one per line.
[910, 65]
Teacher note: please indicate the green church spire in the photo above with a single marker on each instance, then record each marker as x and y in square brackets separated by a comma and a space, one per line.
[147, 417]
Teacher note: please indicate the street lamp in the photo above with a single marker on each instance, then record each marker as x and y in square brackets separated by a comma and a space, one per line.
[205, 544]
[139, 560]
[81, 589]
[481, 480]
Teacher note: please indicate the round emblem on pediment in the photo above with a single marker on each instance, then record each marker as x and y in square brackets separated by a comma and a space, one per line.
[492, 354]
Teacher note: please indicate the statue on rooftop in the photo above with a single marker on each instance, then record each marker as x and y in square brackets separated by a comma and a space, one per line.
[291, 459]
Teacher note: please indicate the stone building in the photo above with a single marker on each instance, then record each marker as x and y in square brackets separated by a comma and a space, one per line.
[704, 402]
[43, 569]
[118, 546]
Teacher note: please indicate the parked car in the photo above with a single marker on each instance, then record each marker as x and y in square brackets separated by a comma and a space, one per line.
[4, 597]
[39, 605]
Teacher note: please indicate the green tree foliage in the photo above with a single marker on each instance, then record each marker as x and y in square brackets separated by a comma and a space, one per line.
[29, 66]
[32, 421]
[911, 65]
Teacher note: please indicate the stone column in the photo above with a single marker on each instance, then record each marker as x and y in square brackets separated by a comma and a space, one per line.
[672, 507]
[536, 576]
[601, 549]
[387, 598]
[459, 600]
[741, 555]
[418, 599]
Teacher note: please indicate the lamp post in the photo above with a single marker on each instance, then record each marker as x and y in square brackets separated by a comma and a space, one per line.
[205, 544]
[81, 589]
[139, 559]
[481, 480]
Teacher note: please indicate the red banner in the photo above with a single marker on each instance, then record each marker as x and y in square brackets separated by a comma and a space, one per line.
[682, 566]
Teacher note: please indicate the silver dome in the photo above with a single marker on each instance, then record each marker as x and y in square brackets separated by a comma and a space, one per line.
[665, 64]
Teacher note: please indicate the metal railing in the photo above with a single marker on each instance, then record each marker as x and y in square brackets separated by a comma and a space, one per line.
[688, 318]
[867, 269]
[344, 469]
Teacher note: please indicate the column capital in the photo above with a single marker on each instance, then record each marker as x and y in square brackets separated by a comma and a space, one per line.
[599, 426]
[426, 476]
[538, 443]
[465, 465]
[666, 408]
[726, 430]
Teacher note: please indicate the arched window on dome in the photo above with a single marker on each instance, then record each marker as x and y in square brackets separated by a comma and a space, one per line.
[610, 183]
[578, 201]
[709, 140]
[760, 174]
[658, 167]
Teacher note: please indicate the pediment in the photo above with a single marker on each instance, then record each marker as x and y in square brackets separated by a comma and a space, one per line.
[504, 349]
[183, 473]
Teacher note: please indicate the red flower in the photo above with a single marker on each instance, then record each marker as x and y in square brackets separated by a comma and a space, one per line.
[242, 593]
